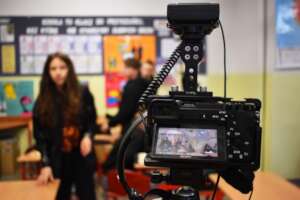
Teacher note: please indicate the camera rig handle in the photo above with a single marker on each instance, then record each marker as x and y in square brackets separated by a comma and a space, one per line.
[191, 54]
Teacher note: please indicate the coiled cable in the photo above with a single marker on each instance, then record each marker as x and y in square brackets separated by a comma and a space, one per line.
[159, 78]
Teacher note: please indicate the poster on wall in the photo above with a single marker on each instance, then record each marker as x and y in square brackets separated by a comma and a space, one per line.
[117, 48]
[16, 98]
[114, 83]
[288, 33]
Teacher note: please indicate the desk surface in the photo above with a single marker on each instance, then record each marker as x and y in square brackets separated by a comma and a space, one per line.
[27, 190]
[8, 122]
[266, 186]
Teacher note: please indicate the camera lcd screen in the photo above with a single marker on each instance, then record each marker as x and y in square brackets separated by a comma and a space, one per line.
[198, 142]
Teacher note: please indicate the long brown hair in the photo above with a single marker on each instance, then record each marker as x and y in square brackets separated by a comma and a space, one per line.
[70, 94]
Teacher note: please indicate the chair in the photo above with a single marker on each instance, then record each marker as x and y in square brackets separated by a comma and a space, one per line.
[29, 164]
[30, 161]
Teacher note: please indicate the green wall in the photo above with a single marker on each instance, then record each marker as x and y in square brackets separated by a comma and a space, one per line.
[283, 124]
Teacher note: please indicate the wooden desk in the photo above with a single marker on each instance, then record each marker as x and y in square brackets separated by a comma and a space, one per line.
[266, 186]
[10, 122]
[27, 190]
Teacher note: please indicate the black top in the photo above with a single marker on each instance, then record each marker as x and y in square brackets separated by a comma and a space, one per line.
[49, 140]
[129, 103]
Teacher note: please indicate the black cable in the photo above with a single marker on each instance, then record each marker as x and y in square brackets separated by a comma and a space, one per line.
[144, 122]
[251, 194]
[160, 77]
[216, 187]
[121, 158]
[225, 66]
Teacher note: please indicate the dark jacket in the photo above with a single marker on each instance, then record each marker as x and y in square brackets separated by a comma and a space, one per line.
[49, 140]
[129, 103]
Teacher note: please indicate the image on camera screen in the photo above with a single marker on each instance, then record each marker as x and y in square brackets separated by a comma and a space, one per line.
[187, 142]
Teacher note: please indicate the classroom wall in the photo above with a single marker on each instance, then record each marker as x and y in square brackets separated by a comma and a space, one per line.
[243, 22]
[283, 107]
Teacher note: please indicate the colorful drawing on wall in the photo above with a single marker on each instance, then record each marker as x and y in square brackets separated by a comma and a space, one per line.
[288, 33]
[116, 48]
[114, 84]
[16, 98]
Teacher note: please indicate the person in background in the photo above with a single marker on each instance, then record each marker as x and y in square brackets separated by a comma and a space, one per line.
[64, 119]
[132, 91]
[148, 70]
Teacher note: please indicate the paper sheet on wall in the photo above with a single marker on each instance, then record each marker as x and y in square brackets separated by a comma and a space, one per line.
[85, 52]
[26, 44]
[8, 57]
[38, 65]
[27, 63]
[7, 33]
[41, 44]
[168, 45]
[288, 33]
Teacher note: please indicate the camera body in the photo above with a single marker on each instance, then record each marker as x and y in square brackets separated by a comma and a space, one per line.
[192, 132]
[202, 131]
[186, 18]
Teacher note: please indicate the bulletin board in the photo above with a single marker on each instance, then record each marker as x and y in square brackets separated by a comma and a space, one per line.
[25, 42]
[96, 44]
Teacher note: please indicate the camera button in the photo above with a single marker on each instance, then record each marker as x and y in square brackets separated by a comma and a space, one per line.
[187, 56]
[236, 151]
[237, 134]
[241, 157]
[215, 116]
[187, 48]
[196, 48]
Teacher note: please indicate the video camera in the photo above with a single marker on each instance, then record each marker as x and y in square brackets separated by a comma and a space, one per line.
[191, 131]
[202, 130]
